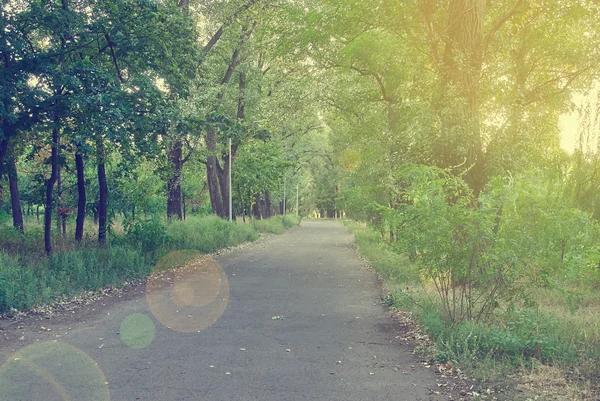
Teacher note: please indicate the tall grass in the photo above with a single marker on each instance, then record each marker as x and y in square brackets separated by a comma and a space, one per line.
[25, 285]
[27, 278]
[207, 234]
[276, 224]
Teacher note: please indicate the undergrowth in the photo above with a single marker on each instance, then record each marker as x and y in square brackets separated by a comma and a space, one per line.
[27, 278]
[542, 328]
[275, 225]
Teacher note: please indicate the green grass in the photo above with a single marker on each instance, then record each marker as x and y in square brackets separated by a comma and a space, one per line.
[23, 286]
[516, 337]
[276, 224]
[207, 234]
[27, 278]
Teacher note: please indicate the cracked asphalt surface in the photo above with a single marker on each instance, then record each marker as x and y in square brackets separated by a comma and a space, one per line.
[303, 322]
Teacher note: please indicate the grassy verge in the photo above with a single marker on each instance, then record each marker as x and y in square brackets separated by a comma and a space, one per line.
[547, 345]
[27, 278]
[275, 225]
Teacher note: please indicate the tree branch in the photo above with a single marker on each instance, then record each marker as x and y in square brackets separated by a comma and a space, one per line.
[217, 35]
[366, 73]
[496, 27]
[114, 57]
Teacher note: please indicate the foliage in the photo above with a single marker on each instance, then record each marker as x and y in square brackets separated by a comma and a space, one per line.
[512, 337]
[478, 257]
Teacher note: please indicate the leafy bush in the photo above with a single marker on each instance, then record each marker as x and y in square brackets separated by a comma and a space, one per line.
[90, 269]
[480, 254]
[523, 335]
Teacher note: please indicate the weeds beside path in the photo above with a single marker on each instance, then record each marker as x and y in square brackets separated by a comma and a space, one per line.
[29, 279]
[539, 348]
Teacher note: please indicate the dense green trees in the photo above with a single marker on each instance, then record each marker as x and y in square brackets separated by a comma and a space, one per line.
[114, 108]
[139, 90]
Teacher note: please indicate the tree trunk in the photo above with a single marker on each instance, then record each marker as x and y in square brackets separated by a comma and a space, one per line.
[58, 193]
[256, 206]
[103, 190]
[81, 197]
[211, 174]
[50, 189]
[174, 183]
[223, 175]
[217, 199]
[461, 70]
[15, 199]
[267, 204]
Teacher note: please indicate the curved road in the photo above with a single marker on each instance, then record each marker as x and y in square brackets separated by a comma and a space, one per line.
[303, 322]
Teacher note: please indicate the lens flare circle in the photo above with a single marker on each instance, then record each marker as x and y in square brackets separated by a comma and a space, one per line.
[190, 298]
[137, 331]
[52, 371]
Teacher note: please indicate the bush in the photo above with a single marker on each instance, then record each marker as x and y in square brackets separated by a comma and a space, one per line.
[90, 269]
[522, 336]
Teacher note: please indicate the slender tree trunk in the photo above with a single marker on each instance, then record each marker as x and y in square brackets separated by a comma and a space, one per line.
[103, 190]
[211, 174]
[81, 197]
[49, 190]
[256, 206]
[7, 131]
[15, 199]
[59, 210]
[174, 183]
[267, 204]
[37, 213]
[64, 224]
[223, 175]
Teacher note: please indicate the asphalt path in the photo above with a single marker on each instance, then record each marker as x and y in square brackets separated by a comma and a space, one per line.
[294, 317]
